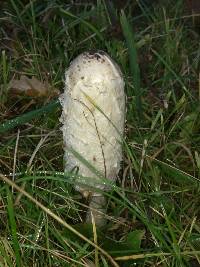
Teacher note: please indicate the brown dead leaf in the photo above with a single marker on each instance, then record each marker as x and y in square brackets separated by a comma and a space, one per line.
[29, 86]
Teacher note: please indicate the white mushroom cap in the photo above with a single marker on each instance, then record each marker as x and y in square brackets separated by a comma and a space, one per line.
[93, 81]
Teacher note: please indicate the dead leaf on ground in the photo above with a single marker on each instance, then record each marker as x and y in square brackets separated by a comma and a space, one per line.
[30, 87]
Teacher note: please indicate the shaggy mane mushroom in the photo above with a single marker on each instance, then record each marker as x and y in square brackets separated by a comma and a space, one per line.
[93, 122]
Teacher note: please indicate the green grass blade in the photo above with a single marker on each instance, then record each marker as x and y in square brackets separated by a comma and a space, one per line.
[173, 73]
[133, 59]
[10, 124]
[13, 228]
[16, 6]
[87, 24]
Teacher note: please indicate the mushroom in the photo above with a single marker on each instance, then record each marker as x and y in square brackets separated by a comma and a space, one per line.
[93, 123]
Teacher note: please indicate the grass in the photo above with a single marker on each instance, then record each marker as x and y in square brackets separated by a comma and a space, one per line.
[153, 211]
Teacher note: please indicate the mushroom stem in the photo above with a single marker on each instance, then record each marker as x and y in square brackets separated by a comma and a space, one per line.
[97, 209]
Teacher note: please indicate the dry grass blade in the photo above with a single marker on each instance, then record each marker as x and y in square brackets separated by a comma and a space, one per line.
[95, 240]
[150, 255]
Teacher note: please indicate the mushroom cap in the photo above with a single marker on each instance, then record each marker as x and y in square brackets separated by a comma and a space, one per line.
[93, 66]
[93, 118]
